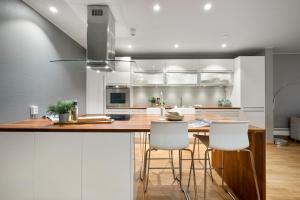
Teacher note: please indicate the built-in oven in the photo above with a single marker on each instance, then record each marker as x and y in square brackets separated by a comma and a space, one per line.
[117, 96]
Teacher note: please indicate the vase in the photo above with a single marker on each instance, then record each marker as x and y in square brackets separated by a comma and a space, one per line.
[63, 118]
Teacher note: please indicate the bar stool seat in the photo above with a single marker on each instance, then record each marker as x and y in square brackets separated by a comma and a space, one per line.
[204, 139]
[170, 136]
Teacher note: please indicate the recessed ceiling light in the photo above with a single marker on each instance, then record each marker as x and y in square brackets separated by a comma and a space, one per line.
[176, 46]
[88, 67]
[106, 67]
[98, 71]
[129, 46]
[207, 6]
[53, 9]
[224, 45]
[156, 7]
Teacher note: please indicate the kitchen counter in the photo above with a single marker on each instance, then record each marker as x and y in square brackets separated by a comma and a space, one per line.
[95, 160]
[137, 123]
[170, 107]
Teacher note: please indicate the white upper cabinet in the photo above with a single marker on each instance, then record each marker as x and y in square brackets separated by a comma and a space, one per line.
[180, 78]
[115, 78]
[148, 78]
[216, 78]
[182, 65]
[249, 82]
[122, 74]
[149, 65]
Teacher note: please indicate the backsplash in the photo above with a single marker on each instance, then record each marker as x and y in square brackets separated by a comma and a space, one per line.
[172, 95]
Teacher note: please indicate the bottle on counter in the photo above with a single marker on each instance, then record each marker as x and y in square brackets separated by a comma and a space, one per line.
[75, 111]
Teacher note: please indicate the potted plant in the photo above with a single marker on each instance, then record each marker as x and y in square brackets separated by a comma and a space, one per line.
[152, 100]
[62, 109]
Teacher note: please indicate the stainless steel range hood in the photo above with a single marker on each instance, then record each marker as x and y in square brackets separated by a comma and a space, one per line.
[100, 38]
[100, 54]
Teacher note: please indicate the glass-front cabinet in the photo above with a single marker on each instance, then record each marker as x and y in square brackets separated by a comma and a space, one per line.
[181, 78]
[148, 78]
[216, 78]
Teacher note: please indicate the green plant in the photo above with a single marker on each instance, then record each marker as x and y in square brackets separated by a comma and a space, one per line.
[61, 107]
[152, 100]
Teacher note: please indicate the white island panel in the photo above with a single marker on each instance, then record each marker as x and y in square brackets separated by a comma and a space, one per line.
[16, 166]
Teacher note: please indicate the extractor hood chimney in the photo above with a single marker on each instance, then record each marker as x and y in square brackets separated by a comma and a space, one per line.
[100, 38]
[100, 54]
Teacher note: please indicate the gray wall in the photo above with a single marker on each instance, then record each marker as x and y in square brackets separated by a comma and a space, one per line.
[286, 70]
[172, 95]
[27, 43]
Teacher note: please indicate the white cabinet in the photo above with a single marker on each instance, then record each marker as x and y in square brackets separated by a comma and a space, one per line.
[230, 113]
[138, 111]
[118, 111]
[215, 79]
[249, 82]
[148, 78]
[248, 90]
[180, 78]
[122, 73]
[95, 92]
[115, 78]
[17, 166]
[255, 117]
[107, 164]
[58, 166]
[149, 65]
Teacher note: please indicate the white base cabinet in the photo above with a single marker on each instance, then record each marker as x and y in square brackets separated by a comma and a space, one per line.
[17, 155]
[72, 166]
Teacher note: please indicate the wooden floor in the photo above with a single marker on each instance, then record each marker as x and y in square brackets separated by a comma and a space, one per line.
[283, 177]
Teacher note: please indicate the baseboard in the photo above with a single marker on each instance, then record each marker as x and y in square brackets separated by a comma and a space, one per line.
[281, 131]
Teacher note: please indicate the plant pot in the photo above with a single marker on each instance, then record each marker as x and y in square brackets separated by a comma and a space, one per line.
[63, 118]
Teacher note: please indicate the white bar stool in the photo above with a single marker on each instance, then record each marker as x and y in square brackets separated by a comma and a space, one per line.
[228, 136]
[169, 136]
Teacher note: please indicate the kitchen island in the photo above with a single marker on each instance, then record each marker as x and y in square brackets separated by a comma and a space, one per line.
[40, 160]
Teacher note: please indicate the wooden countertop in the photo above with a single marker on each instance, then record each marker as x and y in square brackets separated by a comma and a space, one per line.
[137, 123]
[169, 107]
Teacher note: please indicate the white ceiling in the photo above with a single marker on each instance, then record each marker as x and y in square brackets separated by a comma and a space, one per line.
[248, 24]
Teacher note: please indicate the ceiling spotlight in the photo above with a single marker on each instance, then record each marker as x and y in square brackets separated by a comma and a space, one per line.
[98, 71]
[53, 9]
[106, 67]
[156, 7]
[88, 67]
[207, 6]
[129, 46]
[176, 46]
[224, 45]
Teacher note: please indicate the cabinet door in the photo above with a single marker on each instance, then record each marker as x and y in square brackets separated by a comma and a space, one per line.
[107, 166]
[16, 166]
[58, 166]
[138, 111]
[255, 117]
[149, 65]
[118, 78]
[173, 78]
[95, 92]
[148, 79]
[253, 81]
